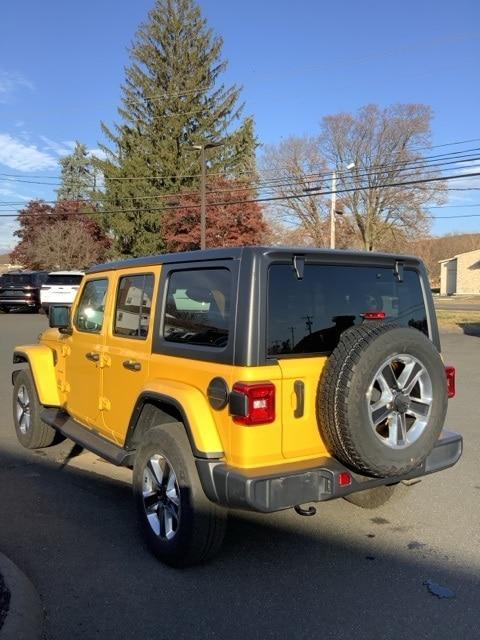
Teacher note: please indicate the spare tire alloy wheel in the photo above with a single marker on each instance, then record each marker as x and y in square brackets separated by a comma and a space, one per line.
[161, 497]
[382, 399]
[399, 401]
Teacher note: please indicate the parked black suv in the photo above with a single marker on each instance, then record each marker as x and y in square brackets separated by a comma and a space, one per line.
[21, 290]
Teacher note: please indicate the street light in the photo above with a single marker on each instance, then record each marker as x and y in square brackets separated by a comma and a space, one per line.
[203, 188]
[333, 204]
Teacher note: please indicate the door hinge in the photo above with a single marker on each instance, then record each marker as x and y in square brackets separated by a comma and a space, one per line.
[104, 404]
[105, 361]
[65, 350]
[63, 387]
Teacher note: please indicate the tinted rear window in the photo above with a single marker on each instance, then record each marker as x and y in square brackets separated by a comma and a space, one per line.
[22, 279]
[54, 279]
[308, 316]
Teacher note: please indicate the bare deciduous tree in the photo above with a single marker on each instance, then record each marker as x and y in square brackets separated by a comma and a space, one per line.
[386, 147]
[64, 245]
[288, 170]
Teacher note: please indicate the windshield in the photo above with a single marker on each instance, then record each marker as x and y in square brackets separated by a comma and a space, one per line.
[309, 315]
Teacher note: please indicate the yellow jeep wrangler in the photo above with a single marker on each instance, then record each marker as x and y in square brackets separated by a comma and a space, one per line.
[250, 378]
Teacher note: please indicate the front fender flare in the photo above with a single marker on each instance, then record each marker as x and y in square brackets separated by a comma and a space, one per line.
[40, 359]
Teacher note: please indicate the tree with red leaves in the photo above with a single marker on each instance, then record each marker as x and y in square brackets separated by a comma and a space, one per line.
[62, 236]
[233, 220]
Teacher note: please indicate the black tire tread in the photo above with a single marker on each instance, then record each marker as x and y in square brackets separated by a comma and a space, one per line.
[40, 434]
[332, 399]
[210, 527]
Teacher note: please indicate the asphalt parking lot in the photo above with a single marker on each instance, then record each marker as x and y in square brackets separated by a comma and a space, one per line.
[68, 523]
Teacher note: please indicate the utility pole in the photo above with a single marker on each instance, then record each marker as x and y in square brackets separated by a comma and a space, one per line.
[333, 204]
[203, 199]
[203, 188]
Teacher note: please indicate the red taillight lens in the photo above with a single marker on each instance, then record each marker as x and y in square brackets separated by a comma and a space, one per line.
[258, 402]
[374, 315]
[450, 373]
[344, 479]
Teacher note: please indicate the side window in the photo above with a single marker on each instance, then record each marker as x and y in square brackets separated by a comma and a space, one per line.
[198, 307]
[134, 305]
[90, 310]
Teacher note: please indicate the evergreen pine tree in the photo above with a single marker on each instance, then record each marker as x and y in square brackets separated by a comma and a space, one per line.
[78, 175]
[172, 99]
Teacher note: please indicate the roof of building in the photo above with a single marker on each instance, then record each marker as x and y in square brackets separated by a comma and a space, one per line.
[460, 254]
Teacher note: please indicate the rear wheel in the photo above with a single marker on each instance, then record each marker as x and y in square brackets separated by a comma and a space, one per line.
[181, 526]
[376, 497]
[32, 433]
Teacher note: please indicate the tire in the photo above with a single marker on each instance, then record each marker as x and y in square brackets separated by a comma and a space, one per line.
[376, 497]
[181, 526]
[369, 418]
[32, 433]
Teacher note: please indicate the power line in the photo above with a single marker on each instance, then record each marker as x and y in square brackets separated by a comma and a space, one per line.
[21, 177]
[273, 186]
[259, 200]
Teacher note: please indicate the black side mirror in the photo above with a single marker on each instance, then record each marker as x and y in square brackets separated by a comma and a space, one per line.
[59, 318]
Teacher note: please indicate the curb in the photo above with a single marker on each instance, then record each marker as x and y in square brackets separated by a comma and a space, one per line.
[25, 614]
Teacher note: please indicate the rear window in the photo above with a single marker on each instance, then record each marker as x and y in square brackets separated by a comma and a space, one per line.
[54, 279]
[22, 279]
[198, 307]
[309, 315]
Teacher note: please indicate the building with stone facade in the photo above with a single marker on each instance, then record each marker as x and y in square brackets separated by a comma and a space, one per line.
[460, 275]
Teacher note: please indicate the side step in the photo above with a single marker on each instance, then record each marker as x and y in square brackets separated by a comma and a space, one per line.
[61, 421]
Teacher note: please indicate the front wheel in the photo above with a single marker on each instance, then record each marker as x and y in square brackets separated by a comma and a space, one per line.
[181, 526]
[32, 433]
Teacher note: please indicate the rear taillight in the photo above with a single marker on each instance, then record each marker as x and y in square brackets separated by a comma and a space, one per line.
[374, 315]
[253, 403]
[450, 373]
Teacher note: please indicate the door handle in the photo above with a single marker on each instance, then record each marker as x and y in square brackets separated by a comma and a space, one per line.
[93, 356]
[132, 365]
[299, 389]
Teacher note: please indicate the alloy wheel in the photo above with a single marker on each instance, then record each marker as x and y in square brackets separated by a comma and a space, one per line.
[399, 401]
[161, 497]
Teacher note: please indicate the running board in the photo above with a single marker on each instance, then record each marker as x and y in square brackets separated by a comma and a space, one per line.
[70, 428]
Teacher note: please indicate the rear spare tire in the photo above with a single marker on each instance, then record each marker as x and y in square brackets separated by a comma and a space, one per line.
[382, 399]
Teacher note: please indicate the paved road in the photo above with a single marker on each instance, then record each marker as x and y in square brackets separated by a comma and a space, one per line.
[345, 573]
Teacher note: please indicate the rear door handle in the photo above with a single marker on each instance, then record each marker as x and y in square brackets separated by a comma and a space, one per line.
[132, 365]
[299, 389]
[93, 356]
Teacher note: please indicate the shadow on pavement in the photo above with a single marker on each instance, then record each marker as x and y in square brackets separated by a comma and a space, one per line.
[279, 576]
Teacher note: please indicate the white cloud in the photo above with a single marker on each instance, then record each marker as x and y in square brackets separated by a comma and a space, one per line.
[23, 157]
[10, 81]
[97, 153]
[63, 148]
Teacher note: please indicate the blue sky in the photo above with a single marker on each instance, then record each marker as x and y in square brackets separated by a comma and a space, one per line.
[62, 63]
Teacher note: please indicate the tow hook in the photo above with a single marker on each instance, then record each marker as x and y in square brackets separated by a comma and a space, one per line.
[311, 511]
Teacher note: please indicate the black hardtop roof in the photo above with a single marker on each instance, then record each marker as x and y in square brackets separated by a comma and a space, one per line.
[236, 253]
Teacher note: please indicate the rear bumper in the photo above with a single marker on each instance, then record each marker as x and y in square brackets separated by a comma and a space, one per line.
[276, 488]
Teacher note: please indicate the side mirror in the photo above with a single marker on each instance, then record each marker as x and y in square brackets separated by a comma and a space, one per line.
[59, 318]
